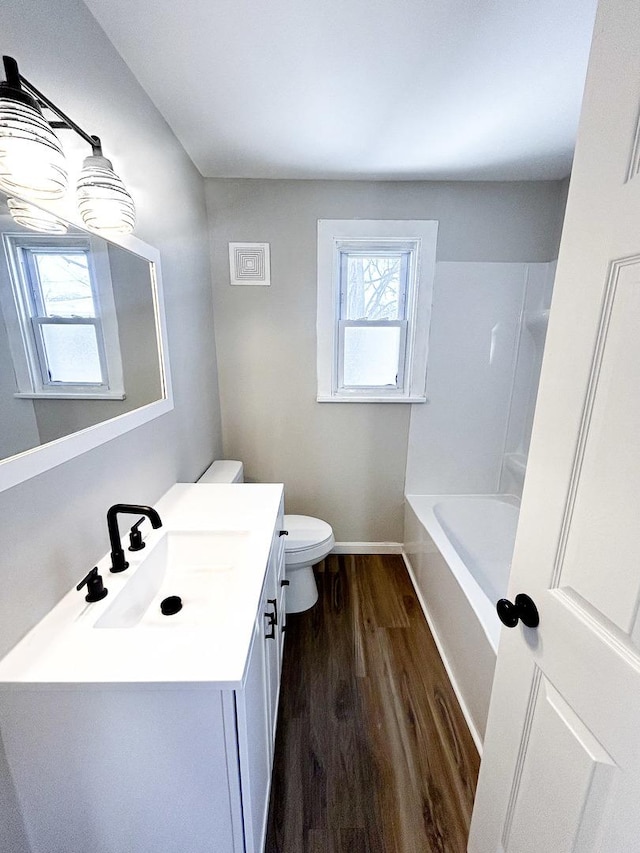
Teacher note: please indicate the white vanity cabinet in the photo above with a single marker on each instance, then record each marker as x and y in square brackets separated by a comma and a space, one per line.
[151, 765]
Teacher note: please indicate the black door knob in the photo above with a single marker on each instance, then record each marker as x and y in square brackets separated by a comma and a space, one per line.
[524, 610]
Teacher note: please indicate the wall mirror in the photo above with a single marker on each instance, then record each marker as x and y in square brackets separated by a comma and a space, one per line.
[83, 354]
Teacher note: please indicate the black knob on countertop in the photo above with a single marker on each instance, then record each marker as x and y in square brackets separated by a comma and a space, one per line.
[171, 605]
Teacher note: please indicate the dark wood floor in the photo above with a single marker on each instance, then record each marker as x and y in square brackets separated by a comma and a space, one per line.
[372, 751]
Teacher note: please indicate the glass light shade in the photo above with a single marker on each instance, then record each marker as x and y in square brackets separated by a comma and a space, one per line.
[103, 200]
[32, 161]
[33, 217]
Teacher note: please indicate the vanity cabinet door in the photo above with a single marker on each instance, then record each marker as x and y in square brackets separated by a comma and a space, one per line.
[254, 740]
[275, 604]
[133, 768]
[257, 705]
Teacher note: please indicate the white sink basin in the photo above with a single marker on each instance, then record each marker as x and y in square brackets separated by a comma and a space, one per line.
[212, 551]
[201, 567]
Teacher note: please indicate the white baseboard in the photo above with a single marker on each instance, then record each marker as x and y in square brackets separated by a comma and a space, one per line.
[367, 548]
[463, 705]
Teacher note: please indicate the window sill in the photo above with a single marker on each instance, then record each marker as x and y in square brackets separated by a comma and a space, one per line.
[24, 395]
[321, 398]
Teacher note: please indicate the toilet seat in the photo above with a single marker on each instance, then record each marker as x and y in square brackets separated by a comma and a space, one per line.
[309, 540]
[305, 532]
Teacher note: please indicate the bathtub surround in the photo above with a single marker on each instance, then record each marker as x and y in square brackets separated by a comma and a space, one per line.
[343, 463]
[53, 528]
[482, 378]
[531, 335]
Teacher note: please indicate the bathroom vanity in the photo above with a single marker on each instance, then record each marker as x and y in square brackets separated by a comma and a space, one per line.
[127, 730]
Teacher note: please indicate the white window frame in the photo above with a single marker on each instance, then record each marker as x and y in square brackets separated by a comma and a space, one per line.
[23, 326]
[338, 237]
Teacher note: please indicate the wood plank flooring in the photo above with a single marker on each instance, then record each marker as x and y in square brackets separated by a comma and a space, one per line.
[372, 752]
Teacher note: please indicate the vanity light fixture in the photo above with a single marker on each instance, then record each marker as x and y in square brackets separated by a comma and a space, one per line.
[103, 200]
[35, 217]
[32, 161]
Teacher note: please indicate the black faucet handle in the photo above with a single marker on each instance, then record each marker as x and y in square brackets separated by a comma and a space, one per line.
[135, 537]
[118, 562]
[95, 588]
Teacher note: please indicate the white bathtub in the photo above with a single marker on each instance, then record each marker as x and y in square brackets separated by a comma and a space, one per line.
[458, 549]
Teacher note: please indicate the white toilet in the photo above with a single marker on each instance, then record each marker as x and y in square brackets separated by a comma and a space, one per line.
[309, 540]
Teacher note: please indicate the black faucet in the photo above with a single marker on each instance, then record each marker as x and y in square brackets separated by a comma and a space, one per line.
[118, 562]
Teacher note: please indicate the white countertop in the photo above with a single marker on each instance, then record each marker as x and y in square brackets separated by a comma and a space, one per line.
[65, 649]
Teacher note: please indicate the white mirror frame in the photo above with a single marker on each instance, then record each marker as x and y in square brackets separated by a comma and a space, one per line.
[36, 460]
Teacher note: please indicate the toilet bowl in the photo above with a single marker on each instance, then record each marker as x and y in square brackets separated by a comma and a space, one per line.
[308, 541]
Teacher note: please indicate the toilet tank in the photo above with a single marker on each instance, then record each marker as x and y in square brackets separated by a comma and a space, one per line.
[223, 471]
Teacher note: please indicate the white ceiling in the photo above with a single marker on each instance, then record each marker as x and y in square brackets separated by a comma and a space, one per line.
[362, 89]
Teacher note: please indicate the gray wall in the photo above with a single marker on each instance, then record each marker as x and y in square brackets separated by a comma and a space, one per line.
[53, 528]
[343, 462]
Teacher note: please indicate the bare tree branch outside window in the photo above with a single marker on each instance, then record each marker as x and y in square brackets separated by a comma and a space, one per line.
[373, 287]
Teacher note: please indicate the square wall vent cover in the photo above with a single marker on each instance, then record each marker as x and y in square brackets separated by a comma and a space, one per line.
[249, 263]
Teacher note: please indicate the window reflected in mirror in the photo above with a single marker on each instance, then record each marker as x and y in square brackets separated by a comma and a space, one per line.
[79, 334]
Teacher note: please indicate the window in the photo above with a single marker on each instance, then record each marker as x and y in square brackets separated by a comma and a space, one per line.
[64, 339]
[375, 280]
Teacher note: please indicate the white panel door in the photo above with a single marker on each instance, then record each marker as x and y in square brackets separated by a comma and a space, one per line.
[561, 766]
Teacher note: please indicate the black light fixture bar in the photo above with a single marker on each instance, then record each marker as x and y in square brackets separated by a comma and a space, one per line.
[104, 203]
[14, 79]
